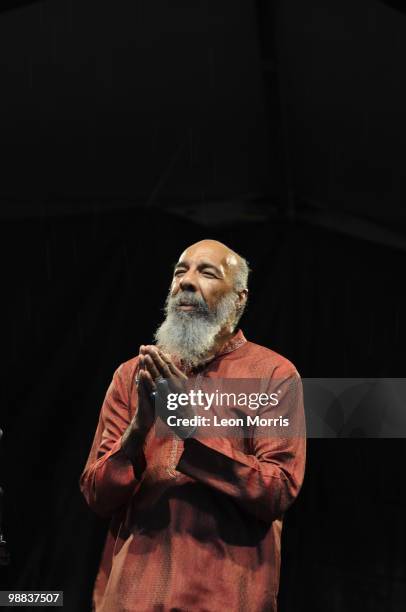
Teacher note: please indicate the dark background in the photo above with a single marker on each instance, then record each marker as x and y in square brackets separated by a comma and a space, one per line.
[130, 130]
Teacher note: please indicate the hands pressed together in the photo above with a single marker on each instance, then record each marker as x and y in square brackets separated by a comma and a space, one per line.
[156, 365]
[156, 377]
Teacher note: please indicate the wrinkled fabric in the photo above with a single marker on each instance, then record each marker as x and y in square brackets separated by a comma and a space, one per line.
[195, 524]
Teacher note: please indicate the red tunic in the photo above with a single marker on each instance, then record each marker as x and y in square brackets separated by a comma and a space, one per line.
[196, 525]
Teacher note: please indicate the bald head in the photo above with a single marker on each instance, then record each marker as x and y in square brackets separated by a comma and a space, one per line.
[232, 264]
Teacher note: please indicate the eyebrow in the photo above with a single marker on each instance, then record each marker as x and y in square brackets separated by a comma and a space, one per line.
[204, 264]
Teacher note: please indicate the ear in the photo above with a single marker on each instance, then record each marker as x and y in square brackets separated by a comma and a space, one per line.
[242, 297]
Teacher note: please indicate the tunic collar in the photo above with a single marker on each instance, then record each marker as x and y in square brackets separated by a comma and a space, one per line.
[234, 343]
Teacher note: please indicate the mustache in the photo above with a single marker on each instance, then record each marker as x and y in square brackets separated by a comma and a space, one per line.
[187, 298]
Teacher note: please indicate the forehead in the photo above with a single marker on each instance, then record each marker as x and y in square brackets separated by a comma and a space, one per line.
[213, 254]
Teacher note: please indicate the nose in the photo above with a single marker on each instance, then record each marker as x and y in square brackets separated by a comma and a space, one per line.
[188, 282]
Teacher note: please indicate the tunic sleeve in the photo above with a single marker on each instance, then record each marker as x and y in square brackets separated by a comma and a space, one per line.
[110, 477]
[264, 483]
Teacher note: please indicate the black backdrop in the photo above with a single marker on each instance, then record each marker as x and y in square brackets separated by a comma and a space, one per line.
[127, 134]
[85, 291]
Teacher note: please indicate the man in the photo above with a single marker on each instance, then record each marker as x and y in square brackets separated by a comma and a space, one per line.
[196, 520]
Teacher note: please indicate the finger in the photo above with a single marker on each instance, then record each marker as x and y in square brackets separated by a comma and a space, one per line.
[147, 382]
[160, 364]
[141, 384]
[167, 360]
[142, 354]
[172, 367]
[151, 367]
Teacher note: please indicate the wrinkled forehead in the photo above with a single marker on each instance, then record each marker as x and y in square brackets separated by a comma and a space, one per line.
[217, 255]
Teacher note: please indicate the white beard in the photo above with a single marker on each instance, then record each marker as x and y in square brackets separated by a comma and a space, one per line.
[191, 335]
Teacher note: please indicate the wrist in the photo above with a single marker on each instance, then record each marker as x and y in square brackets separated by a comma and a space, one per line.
[132, 441]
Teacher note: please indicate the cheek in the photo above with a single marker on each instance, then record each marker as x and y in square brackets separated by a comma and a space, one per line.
[212, 295]
[174, 286]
